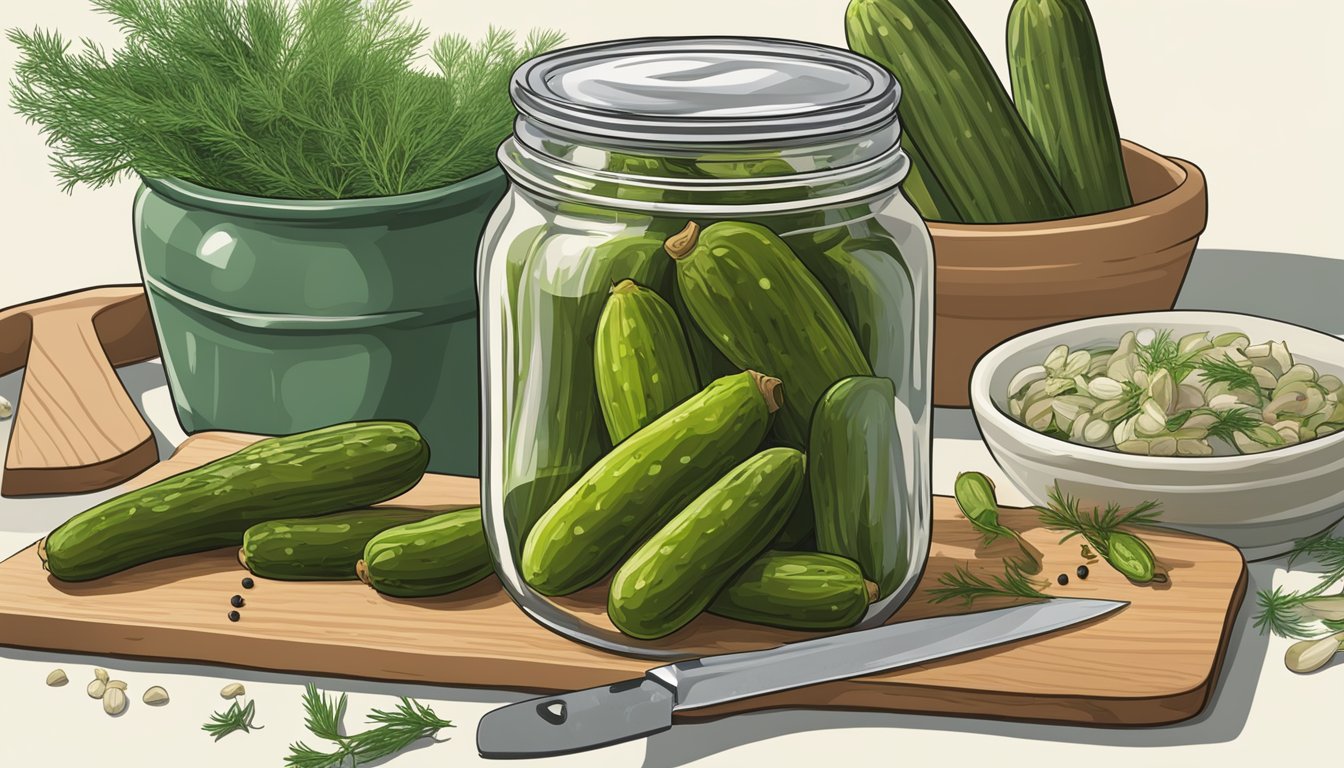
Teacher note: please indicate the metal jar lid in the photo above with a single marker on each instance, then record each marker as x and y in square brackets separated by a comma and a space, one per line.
[706, 90]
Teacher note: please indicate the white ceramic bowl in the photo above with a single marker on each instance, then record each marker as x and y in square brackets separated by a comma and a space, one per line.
[1260, 502]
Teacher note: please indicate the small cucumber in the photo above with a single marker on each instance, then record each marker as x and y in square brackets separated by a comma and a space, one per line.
[797, 590]
[641, 361]
[765, 311]
[553, 428]
[304, 475]
[322, 548]
[674, 575]
[436, 556]
[857, 466]
[646, 480]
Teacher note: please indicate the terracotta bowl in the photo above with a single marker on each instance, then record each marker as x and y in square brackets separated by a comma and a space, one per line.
[995, 281]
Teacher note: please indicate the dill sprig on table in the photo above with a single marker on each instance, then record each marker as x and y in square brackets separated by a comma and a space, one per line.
[235, 718]
[1280, 609]
[396, 730]
[1065, 514]
[961, 584]
[322, 99]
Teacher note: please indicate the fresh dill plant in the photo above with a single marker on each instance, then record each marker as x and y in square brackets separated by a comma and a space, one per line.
[1064, 514]
[1216, 371]
[396, 730]
[235, 718]
[1283, 613]
[963, 585]
[324, 99]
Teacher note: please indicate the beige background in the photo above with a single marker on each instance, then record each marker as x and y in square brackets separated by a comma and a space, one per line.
[1248, 89]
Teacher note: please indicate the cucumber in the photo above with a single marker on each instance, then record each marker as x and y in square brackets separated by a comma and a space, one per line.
[858, 480]
[710, 363]
[322, 548]
[304, 475]
[955, 110]
[1059, 88]
[646, 480]
[800, 526]
[797, 590]
[674, 575]
[641, 362]
[874, 292]
[924, 189]
[431, 557]
[764, 310]
[555, 430]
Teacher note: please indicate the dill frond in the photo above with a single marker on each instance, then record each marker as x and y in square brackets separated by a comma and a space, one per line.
[961, 584]
[324, 99]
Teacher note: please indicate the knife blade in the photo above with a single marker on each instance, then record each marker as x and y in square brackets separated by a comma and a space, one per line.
[610, 714]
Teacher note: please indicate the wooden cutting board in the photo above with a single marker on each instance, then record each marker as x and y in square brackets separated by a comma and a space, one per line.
[1153, 662]
[76, 430]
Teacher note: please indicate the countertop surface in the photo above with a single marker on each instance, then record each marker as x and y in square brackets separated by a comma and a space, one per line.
[1258, 706]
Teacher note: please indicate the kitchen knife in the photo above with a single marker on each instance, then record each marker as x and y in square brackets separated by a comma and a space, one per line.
[610, 714]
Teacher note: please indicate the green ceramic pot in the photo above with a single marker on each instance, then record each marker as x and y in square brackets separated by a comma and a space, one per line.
[278, 316]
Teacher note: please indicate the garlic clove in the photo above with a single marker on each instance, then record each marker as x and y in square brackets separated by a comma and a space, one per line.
[1137, 447]
[1095, 432]
[1076, 364]
[155, 695]
[1123, 368]
[1039, 414]
[1105, 388]
[1330, 383]
[232, 691]
[114, 701]
[1299, 372]
[1264, 377]
[1054, 362]
[57, 677]
[1188, 397]
[1278, 351]
[1193, 448]
[1193, 343]
[1162, 446]
[1310, 655]
[1233, 339]
[1200, 421]
[1329, 607]
[1025, 378]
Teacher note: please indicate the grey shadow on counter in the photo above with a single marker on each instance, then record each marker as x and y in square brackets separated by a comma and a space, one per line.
[1222, 719]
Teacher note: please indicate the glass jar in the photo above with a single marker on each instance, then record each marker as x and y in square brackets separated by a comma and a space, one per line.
[618, 147]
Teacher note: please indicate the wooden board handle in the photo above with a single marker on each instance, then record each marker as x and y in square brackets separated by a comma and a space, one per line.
[76, 429]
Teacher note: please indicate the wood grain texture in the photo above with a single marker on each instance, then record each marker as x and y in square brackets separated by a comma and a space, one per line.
[76, 429]
[1153, 662]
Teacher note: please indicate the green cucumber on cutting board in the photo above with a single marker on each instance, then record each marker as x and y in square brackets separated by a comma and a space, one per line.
[1140, 669]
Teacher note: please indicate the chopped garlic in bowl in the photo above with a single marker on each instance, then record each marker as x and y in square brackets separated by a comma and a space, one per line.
[1154, 394]
[1057, 405]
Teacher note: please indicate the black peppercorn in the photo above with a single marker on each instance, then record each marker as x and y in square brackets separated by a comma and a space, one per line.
[247, 583]
[1082, 571]
[236, 601]
[1063, 579]
[234, 616]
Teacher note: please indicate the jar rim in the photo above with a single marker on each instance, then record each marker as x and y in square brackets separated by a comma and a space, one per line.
[705, 90]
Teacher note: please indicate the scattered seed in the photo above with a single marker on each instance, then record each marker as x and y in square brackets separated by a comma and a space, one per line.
[155, 695]
[118, 684]
[234, 616]
[96, 689]
[248, 582]
[57, 677]
[236, 601]
[1063, 579]
[1082, 571]
[232, 691]
[114, 701]
[100, 674]
[6, 408]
